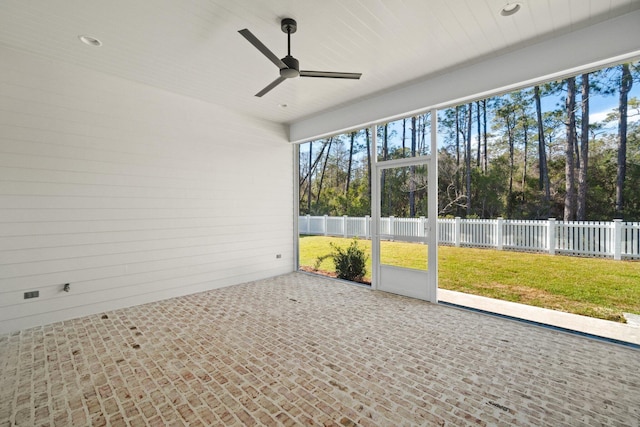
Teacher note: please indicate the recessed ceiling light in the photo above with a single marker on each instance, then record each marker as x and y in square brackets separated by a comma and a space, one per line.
[510, 9]
[91, 41]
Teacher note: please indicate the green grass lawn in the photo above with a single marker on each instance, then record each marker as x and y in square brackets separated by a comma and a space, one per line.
[593, 287]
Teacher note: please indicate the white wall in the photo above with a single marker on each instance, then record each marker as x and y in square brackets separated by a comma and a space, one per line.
[594, 47]
[129, 193]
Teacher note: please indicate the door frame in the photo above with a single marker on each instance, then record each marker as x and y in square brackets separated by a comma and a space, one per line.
[430, 292]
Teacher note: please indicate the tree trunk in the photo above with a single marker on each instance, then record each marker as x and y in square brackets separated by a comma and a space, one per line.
[457, 149]
[310, 170]
[404, 137]
[385, 143]
[367, 137]
[569, 197]
[414, 135]
[346, 188]
[422, 120]
[485, 136]
[324, 169]
[479, 135]
[412, 183]
[525, 138]
[581, 213]
[510, 136]
[625, 86]
[544, 183]
[383, 178]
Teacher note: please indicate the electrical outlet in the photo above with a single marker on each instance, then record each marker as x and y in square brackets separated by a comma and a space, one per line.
[31, 294]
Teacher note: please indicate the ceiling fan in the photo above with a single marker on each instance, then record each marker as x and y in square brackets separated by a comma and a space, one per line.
[289, 66]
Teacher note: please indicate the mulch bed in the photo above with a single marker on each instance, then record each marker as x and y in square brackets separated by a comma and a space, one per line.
[330, 274]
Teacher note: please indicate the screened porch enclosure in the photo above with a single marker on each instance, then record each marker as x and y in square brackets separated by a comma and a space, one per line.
[149, 215]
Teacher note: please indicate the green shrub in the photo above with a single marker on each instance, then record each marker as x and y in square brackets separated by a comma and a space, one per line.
[319, 260]
[351, 262]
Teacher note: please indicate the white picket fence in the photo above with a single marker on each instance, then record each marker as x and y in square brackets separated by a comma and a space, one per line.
[607, 239]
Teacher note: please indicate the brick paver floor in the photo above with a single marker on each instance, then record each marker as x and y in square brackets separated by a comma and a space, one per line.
[303, 350]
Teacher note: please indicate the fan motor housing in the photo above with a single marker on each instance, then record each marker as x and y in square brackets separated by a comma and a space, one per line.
[293, 67]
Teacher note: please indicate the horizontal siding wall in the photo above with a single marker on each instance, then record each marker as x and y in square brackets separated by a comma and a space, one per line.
[129, 193]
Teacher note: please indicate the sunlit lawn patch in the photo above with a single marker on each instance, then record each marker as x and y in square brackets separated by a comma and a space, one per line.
[593, 287]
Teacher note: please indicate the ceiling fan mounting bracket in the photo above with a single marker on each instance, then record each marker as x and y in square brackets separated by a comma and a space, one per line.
[288, 25]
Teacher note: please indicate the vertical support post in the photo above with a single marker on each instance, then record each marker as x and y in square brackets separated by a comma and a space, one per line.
[432, 209]
[617, 239]
[456, 231]
[296, 206]
[499, 233]
[308, 224]
[344, 226]
[325, 223]
[423, 232]
[551, 236]
[375, 210]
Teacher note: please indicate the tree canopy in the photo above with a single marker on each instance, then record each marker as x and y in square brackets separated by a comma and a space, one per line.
[539, 152]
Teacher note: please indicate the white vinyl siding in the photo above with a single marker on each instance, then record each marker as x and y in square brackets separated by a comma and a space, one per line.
[129, 193]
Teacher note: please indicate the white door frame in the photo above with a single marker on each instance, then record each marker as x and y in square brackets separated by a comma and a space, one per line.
[427, 282]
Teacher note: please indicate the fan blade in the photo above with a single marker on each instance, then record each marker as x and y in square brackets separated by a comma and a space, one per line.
[262, 48]
[273, 84]
[330, 74]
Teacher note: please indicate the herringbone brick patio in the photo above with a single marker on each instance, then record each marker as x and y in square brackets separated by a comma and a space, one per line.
[303, 350]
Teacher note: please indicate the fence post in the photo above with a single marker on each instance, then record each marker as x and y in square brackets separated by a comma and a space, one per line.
[456, 231]
[324, 226]
[308, 224]
[422, 231]
[392, 227]
[367, 227]
[344, 226]
[617, 239]
[499, 243]
[551, 235]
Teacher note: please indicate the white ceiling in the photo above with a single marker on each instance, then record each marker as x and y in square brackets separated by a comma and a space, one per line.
[192, 47]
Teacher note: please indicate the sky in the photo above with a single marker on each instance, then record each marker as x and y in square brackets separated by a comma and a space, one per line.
[599, 105]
